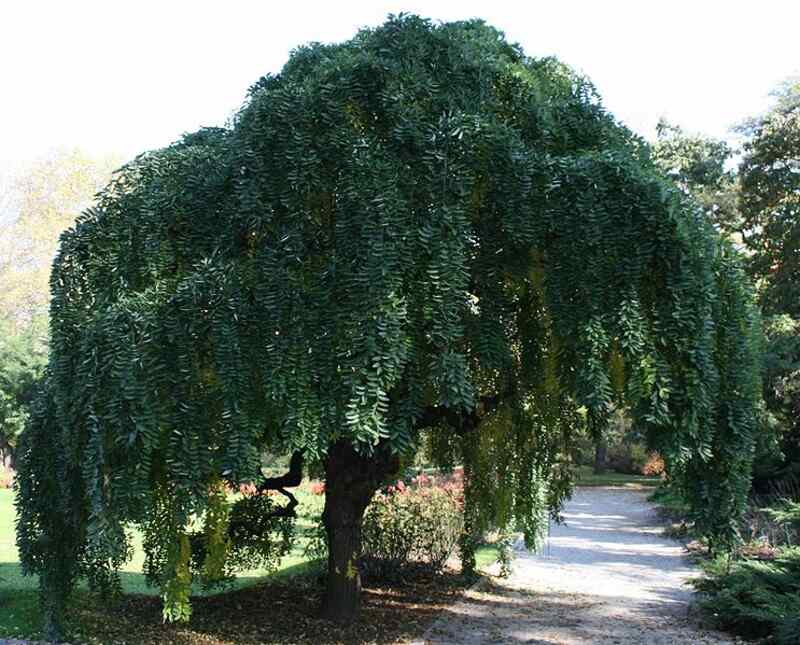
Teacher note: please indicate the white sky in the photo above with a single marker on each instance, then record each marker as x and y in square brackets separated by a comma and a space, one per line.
[129, 76]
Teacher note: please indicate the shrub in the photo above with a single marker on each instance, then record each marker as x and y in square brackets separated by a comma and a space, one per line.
[654, 465]
[788, 514]
[633, 458]
[671, 503]
[626, 457]
[407, 528]
[249, 536]
[412, 527]
[756, 599]
[259, 539]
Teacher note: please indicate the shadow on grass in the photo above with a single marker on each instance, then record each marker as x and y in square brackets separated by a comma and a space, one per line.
[19, 602]
[282, 608]
[19, 597]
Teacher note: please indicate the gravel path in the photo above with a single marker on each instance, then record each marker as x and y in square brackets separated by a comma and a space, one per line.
[607, 575]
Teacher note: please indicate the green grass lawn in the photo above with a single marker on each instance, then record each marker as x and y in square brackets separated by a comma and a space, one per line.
[586, 477]
[19, 610]
[19, 607]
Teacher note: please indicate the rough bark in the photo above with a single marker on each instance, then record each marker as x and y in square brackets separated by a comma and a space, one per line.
[350, 482]
[600, 449]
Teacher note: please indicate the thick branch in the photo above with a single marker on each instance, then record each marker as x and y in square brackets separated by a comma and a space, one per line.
[288, 510]
[434, 415]
[288, 480]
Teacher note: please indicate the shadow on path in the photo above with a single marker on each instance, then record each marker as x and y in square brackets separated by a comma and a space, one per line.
[606, 575]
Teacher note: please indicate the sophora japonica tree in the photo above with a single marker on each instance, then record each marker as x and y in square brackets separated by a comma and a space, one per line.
[418, 232]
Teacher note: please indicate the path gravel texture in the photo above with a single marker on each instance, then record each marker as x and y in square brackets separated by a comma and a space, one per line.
[607, 575]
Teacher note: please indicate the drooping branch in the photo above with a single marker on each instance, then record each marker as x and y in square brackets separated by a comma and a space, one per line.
[289, 479]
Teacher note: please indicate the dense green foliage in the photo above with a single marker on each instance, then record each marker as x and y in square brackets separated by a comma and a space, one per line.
[22, 360]
[757, 599]
[699, 165]
[750, 596]
[770, 202]
[779, 459]
[770, 206]
[756, 205]
[418, 229]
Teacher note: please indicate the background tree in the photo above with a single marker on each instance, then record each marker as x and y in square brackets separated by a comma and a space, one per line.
[769, 201]
[779, 455]
[23, 356]
[38, 202]
[756, 203]
[700, 165]
[42, 200]
[418, 230]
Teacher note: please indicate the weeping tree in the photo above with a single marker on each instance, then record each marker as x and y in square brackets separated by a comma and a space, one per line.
[419, 233]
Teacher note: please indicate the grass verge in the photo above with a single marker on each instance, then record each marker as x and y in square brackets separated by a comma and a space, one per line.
[586, 477]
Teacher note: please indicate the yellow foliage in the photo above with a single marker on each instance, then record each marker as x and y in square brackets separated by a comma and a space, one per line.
[352, 571]
[216, 532]
[616, 368]
[50, 194]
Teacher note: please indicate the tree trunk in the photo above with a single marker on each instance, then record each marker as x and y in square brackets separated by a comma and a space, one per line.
[600, 449]
[350, 482]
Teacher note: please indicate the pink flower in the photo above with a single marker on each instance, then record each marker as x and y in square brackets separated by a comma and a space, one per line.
[248, 489]
[401, 486]
[318, 488]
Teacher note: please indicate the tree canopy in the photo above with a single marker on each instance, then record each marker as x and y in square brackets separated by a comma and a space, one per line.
[699, 165]
[418, 232]
[770, 199]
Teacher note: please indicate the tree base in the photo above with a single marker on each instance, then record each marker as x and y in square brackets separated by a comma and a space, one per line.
[351, 480]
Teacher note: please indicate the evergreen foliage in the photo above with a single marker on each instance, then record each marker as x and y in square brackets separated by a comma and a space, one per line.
[754, 598]
[22, 361]
[418, 229]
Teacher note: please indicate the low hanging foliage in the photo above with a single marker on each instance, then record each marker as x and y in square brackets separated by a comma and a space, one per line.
[420, 229]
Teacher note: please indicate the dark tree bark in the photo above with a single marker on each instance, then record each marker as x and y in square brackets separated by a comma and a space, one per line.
[290, 479]
[350, 482]
[600, 449]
